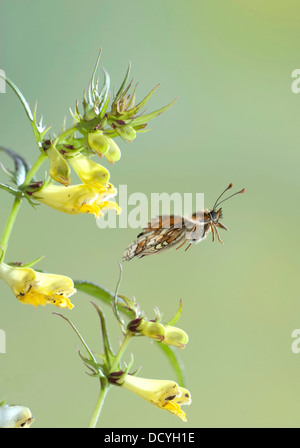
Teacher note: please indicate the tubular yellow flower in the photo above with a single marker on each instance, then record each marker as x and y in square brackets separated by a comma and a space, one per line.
[164, 394]
[59, 168]
[77, 199]
[36, 288]
[89, 172]
[15, 417]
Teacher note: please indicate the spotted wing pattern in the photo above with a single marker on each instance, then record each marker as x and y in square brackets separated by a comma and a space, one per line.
[160, 234]
[163, 233]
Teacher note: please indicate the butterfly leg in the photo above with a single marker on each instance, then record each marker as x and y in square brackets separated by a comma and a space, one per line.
[218, 234]
[212, 232]
[182, 244]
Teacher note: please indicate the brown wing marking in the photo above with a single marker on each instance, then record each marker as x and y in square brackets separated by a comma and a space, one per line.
[161, 233]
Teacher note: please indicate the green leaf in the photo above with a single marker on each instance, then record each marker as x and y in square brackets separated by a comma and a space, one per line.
[33, 262]
[104, 106]
[94, 290]
[135, 109]
[175, 361]
[21, 166]
[145, 118]
[115, 302]
[90, 353]
[38, 130]
[11, 190]
[177, 315]
[118, 95]
[100, 293]
[103, 95]
[108, 352]
[21, 98]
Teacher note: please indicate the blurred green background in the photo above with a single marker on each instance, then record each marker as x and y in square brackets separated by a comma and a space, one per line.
[236, 120]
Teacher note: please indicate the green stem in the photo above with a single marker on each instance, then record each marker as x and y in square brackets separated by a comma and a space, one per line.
[120, 352]
[64, 134]
[35, 167]
[9, 226]
[99, 405]
[15, 208]
[105, 386]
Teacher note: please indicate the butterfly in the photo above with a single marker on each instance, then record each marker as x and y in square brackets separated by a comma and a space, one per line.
[164, 232]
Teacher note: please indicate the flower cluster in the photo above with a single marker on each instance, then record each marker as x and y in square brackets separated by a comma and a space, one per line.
[164, 394]
[92, 134]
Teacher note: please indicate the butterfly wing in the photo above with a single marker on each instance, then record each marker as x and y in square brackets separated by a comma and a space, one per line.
[161, 233]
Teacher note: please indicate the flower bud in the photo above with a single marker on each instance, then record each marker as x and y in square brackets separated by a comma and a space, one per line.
[104, 145]
[153, 330]
[175, 336]
[167, 334]
[127, 132]
[98, 142]
[114, 153]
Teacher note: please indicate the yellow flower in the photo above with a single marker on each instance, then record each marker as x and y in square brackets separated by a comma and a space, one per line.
[89, 172]
[15, 417]
[164, 394]
[36, 288]
[59, 168]
[77, 199]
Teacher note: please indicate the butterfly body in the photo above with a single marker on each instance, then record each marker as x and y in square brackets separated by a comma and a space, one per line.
[164, 232]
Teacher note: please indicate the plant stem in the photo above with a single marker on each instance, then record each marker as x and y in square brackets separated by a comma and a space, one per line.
[35, 167]
[105, 386]
[120, 352]
[98, 408]
[16, 206]
[64, 134]
[9, 226]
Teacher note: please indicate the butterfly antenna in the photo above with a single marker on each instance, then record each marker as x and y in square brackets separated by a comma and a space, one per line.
[228, 188]
[234, 194]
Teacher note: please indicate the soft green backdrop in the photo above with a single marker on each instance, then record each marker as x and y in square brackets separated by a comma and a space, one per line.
[236, 120]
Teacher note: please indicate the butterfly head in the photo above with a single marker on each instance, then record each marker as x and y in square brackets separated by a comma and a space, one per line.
[215, 215]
